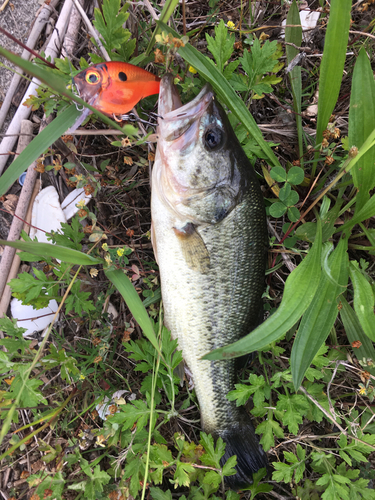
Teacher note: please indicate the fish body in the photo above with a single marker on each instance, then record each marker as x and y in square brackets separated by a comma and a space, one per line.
[210, 238]
[114, 88]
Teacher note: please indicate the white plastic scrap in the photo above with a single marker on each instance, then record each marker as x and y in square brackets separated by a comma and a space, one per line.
[47, 214]
[69, 204]
[34, 320]
[103, 408]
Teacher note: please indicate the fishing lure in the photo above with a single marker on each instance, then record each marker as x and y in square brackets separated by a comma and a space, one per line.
[114, 88]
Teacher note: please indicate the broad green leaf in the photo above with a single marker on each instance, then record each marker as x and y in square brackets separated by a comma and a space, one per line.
[295, 176]
[285, 192]
[361, 124]
[256, 488]
[278, 174]
[363, 300]
[37, 146]
[321, 314]
[182, 474]
[55, 251]
[27, 388]
[56, 483]
[165, 14]
[293, 407]
[300, 288]
[131, 297]
[354, 332]
[258, 62]
[110, 26]
[158, 494]
[293, 34]
[332, 65]
[293, 214]
[224, 90]
[269, 428]
[278, 209]
[221, 47]
[212, 453]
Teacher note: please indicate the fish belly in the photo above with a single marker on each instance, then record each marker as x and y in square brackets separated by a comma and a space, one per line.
[207, 311]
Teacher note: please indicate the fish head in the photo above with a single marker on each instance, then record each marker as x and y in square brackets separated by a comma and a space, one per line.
[91, 82]
[197, 172]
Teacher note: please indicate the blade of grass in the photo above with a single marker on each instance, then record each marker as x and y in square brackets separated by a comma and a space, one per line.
[363, 300]
[354, 333]
[293, 34]
[361, 124]
[367, 211]
[300, 288]
[55, 251]
[224, 90]
[321, 314]
[131, 297]
[165, 14]
[332, 65]
[37, 146]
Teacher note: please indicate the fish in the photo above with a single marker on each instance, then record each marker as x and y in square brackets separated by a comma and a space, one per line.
[210, 240]
[114, 88]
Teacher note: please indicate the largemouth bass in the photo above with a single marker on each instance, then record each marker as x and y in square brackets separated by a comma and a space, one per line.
[210, 239]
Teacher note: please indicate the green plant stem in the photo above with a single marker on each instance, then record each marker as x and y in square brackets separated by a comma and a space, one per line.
[37, 431]
[154, 379]
[346, 207]
[9, 418]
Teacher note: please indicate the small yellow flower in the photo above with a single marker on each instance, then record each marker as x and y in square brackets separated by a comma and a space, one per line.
[79, 177]
[108, 259]
[120, 252]
[100, 440]
[192, 70]
[80, 204]
[82, 377]
[105, 247]
[362, 389]
[93, 272]
[231, 24]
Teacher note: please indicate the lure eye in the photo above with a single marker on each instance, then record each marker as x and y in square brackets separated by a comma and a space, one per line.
[213, 138]
[122, 76]
[92, 77]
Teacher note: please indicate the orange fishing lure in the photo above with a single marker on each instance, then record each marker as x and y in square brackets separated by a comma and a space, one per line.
[114, 88]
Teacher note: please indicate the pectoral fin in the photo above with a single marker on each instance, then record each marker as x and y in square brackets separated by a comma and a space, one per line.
[153, 242]
[193, 248]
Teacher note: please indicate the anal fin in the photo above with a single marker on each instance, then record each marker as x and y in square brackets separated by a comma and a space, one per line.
[193, 248]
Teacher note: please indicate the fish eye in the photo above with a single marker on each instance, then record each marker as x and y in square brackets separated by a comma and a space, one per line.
[213, 138]
[92, 77]
[122, 76]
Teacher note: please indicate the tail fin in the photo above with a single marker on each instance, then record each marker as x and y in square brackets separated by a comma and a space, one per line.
[241, 441]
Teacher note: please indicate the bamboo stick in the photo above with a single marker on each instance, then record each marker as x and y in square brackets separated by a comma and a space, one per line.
[23, 112]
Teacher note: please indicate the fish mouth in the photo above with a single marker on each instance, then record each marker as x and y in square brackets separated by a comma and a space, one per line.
[175, 118]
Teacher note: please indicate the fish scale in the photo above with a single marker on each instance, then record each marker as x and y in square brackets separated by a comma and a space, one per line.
[210, 238]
